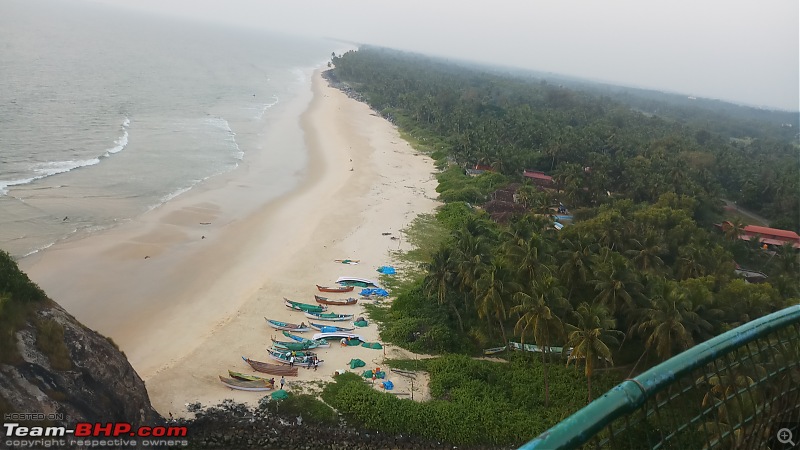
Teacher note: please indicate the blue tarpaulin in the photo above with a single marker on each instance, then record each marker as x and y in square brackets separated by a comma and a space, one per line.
[328, 329]
[386, 270]
[374, 291]
[388, 385]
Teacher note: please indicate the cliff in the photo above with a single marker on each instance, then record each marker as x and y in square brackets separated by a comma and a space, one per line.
[53, 365]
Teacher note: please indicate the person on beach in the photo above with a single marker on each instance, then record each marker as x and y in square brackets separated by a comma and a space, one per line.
[272, 382]
[283, 380]
[291, 361]
[316, 364]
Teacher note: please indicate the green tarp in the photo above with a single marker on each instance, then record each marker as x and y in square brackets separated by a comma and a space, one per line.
[361, 323]
[369, 374]
[280, 394]
[375, 345]
[354, 363]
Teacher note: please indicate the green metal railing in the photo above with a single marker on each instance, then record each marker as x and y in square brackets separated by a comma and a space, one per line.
[734, 391]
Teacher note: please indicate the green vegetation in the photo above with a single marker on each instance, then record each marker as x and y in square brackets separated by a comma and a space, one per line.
[19, 298]
[638, 276]
[472, 401]
[309, 407]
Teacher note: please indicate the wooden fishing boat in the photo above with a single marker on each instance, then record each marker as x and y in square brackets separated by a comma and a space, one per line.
[245, 377]
[320, 342]
[300, 358]
[243, 385]
[335, 289]
[278, 325]
[331, 317]
[327, 301]
[294, 345]
[272, 369]
[305, 307]
[319, 326]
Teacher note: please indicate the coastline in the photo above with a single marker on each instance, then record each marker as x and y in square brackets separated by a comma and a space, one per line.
[197, 303]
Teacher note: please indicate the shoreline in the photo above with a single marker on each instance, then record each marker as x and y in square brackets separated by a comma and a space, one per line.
[197, 304]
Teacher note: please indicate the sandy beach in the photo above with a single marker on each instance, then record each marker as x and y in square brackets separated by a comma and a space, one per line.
[184, 289]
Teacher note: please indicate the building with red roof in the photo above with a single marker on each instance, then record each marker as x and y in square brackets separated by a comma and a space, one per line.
[773, 237]
[538, 178]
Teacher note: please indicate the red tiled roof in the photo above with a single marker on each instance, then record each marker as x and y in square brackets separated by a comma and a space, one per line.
[537, 175]
[765, 231]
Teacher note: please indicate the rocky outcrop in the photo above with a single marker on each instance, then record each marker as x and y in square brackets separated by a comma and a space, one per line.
[64, 369]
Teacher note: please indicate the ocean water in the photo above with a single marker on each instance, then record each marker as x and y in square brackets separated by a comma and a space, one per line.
[106, 114]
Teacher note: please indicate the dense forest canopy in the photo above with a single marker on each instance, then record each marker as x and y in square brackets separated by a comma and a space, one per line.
[639, 144]
[639, 274]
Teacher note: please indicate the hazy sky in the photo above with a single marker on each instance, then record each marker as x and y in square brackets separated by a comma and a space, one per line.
[743, 51]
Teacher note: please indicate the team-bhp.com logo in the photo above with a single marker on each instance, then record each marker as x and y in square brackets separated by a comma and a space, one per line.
[86, 434]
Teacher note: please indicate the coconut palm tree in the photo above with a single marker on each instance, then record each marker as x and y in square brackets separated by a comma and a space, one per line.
[589, 336]
[538, 320]
[670, 322]
[440, 278]
[491, 290]
[615, 281]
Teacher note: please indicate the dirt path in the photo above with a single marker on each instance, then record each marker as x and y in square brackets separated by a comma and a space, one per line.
[731, 205]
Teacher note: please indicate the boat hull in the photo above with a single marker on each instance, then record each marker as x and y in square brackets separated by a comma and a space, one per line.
[272, 369]
[284, 326]
[327, 301]
[335, 289]
[329, 317]
[242, 385]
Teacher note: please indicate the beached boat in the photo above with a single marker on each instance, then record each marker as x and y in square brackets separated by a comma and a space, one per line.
[335, 289]
[272, 369]
[328, 301]
[356, 281]
[300, 358]
[245, 377]
[294, 345]
[320, 342]
[494, 351]
[278, 325]
[347, 261]
[305, 307]
[537, 349]
[338, 335]
[328, 328]
[243, 385]
[331, 317]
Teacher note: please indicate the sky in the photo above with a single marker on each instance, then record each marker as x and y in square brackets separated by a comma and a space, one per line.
[742, 51]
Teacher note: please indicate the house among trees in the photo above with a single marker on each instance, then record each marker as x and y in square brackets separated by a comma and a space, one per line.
[538, 178]
[770, 237]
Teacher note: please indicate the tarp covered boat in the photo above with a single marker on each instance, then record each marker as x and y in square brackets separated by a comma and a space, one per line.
[328, 328]
[338, 335]
[300, 358]
[319, 342]
[294, 345]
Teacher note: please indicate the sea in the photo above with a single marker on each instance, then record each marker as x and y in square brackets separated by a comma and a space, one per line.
[107, 113]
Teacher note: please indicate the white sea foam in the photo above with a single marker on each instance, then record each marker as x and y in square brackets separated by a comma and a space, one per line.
[55, 167]
[266, 107]
[122, 142]
[223, 124]
[38, 249]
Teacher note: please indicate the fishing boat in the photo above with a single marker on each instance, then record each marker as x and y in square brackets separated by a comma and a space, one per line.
[356, 281]
[328, 328]
[305, 307]
[245, 377]
[321, 343]
[331, 317]
[495, 350]
[338, 335]
[327, 301]
[300, 358]
[244, 385]
[272, 369]
[335, 289]
[278, 325]
[294, 345]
